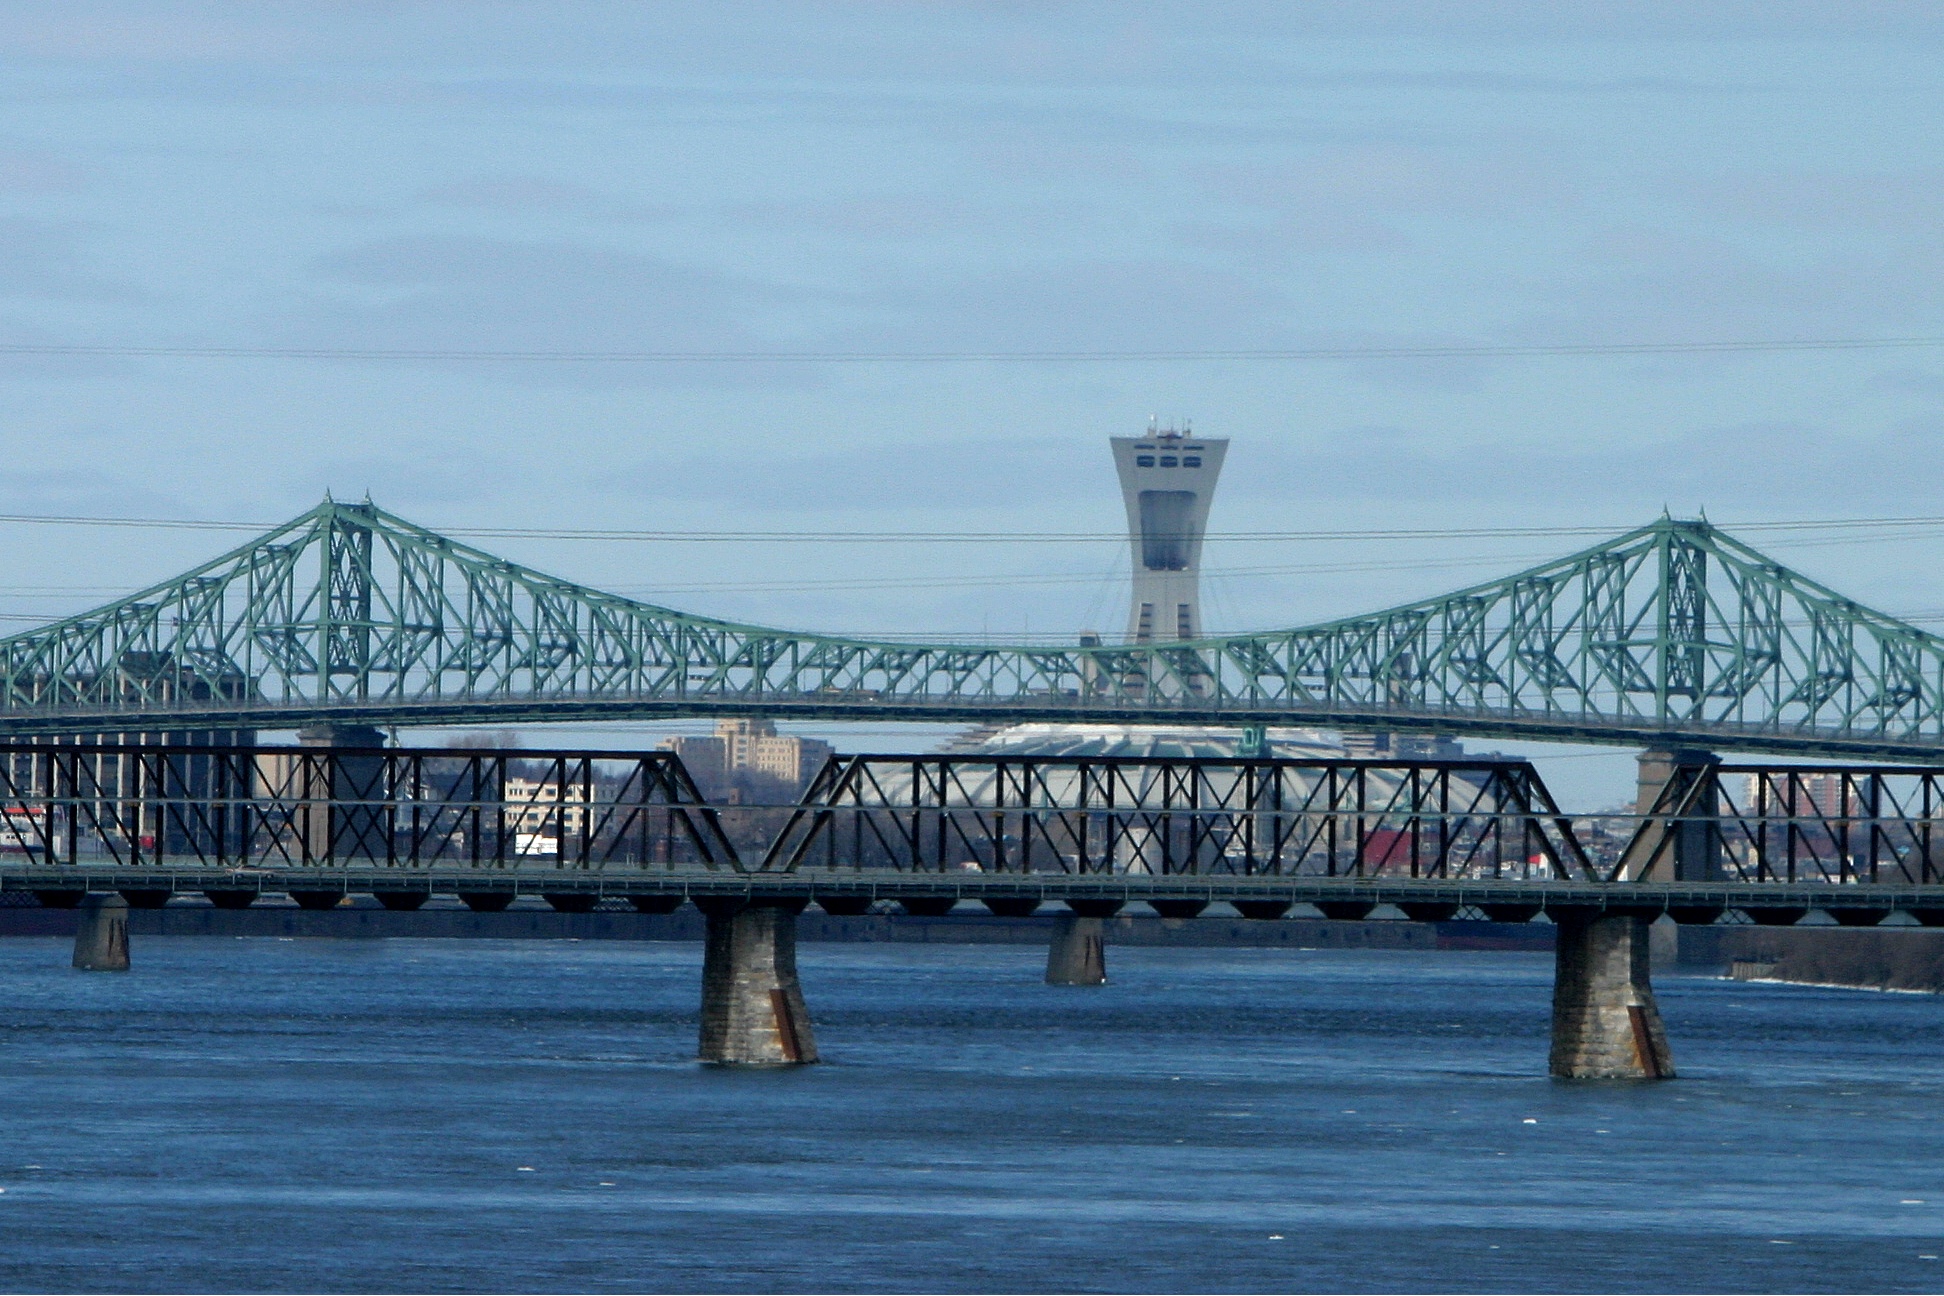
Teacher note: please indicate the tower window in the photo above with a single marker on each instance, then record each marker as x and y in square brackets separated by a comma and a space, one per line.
[1167, 461]
[1165, 533]
[1144, 461]
[1191, 461]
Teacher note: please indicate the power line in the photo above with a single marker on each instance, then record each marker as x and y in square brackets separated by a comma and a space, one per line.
[979, 537]
[1052, 578]
[550, 356]
[775, 585]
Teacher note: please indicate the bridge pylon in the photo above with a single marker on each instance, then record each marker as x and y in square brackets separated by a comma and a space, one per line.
[1076, 955]
[101, 936]
[753, 1013]
[344, 816]
[1605, 1023]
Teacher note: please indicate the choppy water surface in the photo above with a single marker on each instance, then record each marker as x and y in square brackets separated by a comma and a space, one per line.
[480, 1115]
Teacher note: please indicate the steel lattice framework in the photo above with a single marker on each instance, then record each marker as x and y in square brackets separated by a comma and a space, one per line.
[1437, 839]
[1672, 633]
[284, 808]
[1159, 816]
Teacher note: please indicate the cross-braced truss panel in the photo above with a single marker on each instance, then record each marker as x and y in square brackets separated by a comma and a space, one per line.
[1673, 630]
[1151, 816]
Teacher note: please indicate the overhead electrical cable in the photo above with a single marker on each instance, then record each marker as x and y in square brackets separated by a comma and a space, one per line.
[1426, 351]
[985, 537]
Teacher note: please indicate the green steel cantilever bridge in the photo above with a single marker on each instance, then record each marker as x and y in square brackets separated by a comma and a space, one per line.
[1674, 633]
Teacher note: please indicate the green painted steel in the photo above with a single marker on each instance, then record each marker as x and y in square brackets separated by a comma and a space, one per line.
[1674, 632]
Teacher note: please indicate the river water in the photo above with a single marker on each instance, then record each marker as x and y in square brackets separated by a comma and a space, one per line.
[259, 1114]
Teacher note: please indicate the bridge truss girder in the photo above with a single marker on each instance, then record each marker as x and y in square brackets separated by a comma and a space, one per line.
[1674, 632]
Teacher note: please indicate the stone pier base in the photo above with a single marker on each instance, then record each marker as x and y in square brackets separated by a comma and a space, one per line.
[1077, 955]
[1605, 1023]
[101, 939]
[753, 1012]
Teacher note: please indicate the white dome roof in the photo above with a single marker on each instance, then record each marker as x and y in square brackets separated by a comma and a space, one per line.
[1165, 741]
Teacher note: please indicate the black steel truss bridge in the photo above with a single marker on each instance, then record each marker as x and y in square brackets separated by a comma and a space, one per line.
[1436, 839]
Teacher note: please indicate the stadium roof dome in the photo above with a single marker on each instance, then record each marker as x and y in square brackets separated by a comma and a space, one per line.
[1165, 741]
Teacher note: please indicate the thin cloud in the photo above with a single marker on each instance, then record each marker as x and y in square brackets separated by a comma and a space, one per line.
[466, 293]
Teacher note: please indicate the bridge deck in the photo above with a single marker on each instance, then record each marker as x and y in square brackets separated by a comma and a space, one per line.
[1751, 898]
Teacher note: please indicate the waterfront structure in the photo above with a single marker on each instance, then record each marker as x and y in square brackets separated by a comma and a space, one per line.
[1167, 481]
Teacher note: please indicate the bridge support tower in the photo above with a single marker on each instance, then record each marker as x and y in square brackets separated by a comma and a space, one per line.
[1077, 954]
[1684, 844]
[101, 938]
[342, 821]
[753, 1012]
[1605, 1023]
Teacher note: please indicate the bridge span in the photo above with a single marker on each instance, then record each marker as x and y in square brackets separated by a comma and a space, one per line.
[104, 827]
[1672, 635]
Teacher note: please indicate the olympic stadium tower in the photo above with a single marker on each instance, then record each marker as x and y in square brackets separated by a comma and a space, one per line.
[1167, 481]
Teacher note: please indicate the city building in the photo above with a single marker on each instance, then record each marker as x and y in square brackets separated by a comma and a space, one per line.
[1390, 746]
[539, 809]
[746, 758]
[1795, 795]
[1167, 481]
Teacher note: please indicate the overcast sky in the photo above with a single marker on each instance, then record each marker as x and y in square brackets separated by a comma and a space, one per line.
[902, 177]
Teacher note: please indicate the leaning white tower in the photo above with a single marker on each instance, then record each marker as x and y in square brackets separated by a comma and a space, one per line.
[1167, 480]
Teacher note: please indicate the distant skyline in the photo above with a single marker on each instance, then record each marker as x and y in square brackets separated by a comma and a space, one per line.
[983, 177]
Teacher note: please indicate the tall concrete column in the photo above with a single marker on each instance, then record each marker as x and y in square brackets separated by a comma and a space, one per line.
[101, 939]
[1681, 846]
[1077, 954]
[1605, 1024]
[753, 1012]
[341, 823]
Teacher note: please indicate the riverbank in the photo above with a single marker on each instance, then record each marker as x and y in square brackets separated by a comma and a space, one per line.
[1908, 958]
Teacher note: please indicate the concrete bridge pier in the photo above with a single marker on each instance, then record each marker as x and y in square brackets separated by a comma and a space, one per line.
[753, 1012]
[1605, 1023]
[1077, 953]
[101, 939]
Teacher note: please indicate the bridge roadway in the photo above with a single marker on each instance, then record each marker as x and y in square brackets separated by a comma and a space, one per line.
[1481, 723]
[847, 890]
[863, 706]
